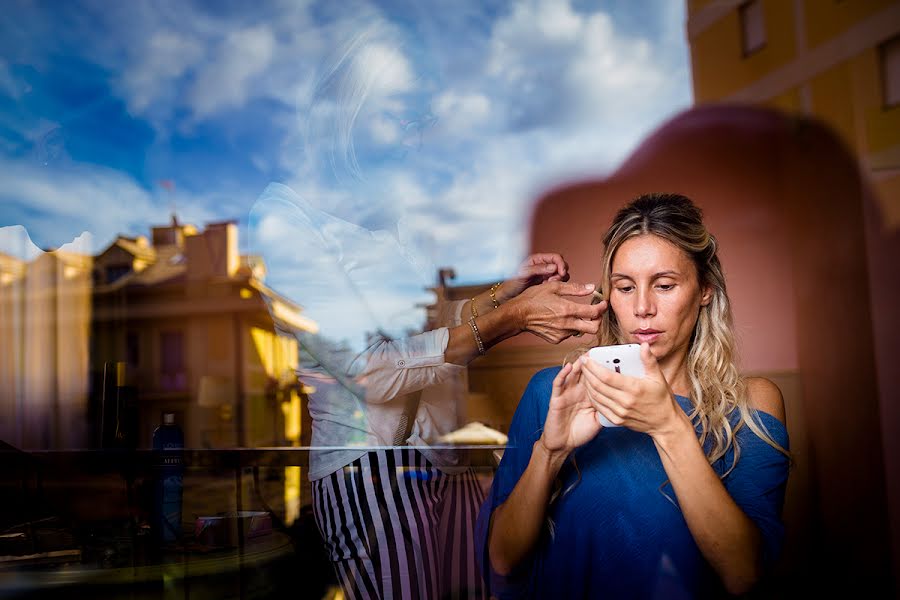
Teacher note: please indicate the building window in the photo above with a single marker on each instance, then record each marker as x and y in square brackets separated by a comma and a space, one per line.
[890, 72]
[753, 26]
[115, 272]
[172, 375]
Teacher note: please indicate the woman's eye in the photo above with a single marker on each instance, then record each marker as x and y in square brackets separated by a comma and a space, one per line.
[665, 287]
[625, 288]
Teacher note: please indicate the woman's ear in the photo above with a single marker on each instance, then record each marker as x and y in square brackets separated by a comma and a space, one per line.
[706, 296]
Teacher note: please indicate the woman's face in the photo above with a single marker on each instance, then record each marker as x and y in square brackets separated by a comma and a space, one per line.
[655, 295]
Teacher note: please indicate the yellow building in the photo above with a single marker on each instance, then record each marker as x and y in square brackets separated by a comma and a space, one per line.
[838, 61]
[45, 314]
[95, 349]
[193, 322]
[182, 322]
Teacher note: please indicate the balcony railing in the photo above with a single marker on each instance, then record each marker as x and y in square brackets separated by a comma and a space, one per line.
[80, 524]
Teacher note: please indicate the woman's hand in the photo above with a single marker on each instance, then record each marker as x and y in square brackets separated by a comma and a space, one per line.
[571, 418]
[545, 311]
[517, 524]
[536, 300]
[536, 269]
[642, 404]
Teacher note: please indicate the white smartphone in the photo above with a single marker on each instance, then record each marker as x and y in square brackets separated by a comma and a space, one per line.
[625, 359]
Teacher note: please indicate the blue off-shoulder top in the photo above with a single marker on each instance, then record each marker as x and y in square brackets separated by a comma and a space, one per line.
[618, 531]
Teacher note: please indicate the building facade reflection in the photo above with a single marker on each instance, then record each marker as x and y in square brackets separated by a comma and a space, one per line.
[180, 320]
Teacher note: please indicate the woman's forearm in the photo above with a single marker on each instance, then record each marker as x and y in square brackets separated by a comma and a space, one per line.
[727, 538]
[516, 524]
[493, 326]
[380, 379]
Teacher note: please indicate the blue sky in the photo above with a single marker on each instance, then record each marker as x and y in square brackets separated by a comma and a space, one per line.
[450, 119]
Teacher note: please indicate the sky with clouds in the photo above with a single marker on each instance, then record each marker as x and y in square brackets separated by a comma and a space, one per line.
[435, 124]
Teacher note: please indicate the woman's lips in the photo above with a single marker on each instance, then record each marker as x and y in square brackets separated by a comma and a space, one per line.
[646, 335]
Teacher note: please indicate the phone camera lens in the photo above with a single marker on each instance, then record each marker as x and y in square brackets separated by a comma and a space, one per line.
[616, 361]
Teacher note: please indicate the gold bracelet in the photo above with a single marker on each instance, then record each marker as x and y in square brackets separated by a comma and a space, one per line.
[478, 341]
[472, 306]
[494, 293]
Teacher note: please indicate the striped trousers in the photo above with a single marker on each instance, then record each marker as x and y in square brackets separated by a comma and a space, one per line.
[395, 526]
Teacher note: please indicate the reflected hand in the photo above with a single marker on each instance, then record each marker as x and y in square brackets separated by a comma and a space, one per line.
[545, 311]
[536, 269]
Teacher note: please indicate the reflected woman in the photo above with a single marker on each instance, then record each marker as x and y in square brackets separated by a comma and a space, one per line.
[396, 513]
[683, 497]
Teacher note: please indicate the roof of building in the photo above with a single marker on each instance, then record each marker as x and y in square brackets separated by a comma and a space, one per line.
[166, 264]
[135, 247]
[169, 265]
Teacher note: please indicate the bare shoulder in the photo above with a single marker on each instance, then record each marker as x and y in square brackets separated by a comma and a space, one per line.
[764, 395]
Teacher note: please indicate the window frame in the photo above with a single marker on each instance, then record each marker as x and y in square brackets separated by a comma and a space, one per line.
[743, 9]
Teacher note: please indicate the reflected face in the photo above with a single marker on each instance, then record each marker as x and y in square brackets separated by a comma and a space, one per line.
[656, 295]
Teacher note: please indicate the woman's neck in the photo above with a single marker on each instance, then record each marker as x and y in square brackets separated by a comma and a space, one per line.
[674, 369]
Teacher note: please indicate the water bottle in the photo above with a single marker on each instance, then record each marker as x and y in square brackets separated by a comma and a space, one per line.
[168, 442]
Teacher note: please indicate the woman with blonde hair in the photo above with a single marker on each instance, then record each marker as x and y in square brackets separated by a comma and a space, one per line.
[683, 497]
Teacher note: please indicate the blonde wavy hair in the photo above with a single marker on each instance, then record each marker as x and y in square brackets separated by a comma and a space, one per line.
[717, 387]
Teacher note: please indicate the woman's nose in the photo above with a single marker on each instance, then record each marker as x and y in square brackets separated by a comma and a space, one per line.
[643, 304]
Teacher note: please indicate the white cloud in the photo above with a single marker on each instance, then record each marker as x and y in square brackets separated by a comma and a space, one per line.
[165, 57]
[557, 20]
[462, 113]
[384, 130]
[538, 21]
[15, 241]
[349, 90]
[405, 190]
[83, 244]
[178, 63]
[615, 74]
[382, 70]
[558, 67]
[63, 203]
[227, 79]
